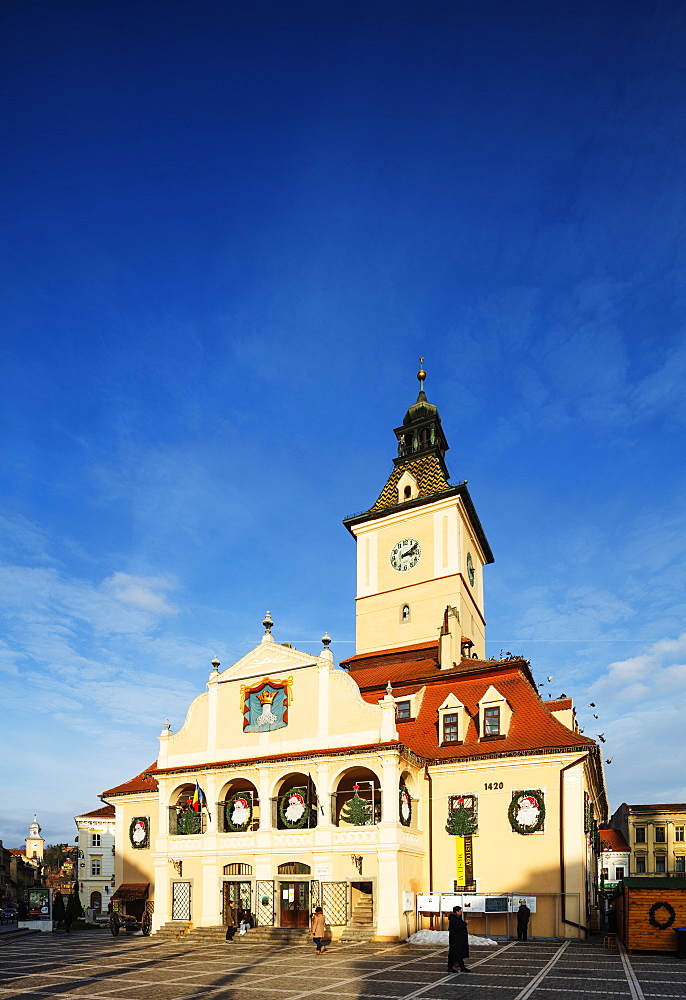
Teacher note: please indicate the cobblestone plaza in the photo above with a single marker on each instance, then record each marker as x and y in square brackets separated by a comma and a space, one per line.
[93, 965]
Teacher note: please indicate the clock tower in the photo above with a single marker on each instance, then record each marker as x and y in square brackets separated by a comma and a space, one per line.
[421, 548]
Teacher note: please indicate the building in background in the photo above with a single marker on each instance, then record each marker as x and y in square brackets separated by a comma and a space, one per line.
[614, 859]
[656, 837]
[96, 853]
[420, 768]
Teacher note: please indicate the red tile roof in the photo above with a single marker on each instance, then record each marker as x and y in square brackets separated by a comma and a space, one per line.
[532, 727]
[613, 840]
[101, 813]
[558, 704]
[143, 782]
[398, 654]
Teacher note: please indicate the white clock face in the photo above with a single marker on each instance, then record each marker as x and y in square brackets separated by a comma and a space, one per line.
[405, 554]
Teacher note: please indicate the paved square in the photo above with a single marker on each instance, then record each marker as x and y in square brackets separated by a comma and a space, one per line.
[95, 966]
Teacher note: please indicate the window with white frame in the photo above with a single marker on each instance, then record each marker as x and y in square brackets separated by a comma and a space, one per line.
[95, 840]
[96, 867]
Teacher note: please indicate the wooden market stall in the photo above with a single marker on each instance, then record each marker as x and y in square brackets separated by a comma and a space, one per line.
[649, 910]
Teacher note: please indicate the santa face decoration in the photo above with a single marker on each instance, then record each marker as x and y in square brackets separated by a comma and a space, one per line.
[295, 808]
[527, 811]
[240, 814]
[138, 831]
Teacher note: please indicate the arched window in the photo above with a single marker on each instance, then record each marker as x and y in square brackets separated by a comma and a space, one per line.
[96, 900]
[357, 799]
[294, 868]
[238, 869]
[183, 818]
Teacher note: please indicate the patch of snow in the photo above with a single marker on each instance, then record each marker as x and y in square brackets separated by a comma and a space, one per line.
[441, 937]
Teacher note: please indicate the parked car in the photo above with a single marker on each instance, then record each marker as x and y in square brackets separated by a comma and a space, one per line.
[10, 913]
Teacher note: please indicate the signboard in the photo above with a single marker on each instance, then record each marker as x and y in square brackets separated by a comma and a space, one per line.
[323, 872]
[450, 900]
[39, 904]
[428, 902]
[473, 904]
[408, 901]
[497, 904]
[515, 901]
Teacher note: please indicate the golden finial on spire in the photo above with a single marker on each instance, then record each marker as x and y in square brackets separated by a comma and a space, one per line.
[421, 374]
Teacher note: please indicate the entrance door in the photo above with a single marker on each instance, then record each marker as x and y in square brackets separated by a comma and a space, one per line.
[237, 897]
[181, 901]
[294, 899]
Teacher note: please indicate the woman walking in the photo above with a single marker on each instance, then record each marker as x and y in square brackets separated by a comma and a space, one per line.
[317, 929]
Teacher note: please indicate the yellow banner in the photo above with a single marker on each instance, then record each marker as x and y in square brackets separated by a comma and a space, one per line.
[461, 867]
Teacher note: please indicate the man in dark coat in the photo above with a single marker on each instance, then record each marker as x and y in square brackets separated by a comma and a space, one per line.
[523, 914]
[458, 941]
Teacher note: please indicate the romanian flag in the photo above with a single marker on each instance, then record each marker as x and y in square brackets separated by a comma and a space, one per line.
[199, 799]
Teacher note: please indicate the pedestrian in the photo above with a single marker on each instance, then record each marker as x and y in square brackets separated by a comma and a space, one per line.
[523, 914]
[231, 927]
[317, 929]
[458, 940]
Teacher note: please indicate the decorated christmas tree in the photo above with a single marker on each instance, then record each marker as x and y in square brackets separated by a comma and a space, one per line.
[356, 811]
[461, 822]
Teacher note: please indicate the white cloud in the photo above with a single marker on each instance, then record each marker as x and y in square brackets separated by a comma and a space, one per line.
[141, 592]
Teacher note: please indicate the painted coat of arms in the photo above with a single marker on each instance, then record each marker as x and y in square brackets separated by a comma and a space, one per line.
[265, 705]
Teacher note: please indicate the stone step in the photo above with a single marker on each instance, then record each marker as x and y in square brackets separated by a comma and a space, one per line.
[172, 930]
[255, 935]
[358, 935]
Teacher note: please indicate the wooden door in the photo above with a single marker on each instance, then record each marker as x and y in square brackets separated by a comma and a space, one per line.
[294, 901]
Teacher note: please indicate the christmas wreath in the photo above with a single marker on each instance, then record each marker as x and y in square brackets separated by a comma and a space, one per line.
[293, 809]
[526, 812]
[239, 804]
[405, 805]
[139, 832]
[664, 924]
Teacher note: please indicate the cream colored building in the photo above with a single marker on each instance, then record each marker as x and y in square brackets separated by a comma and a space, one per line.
[656, 834]
[415, 767]
[96, 853]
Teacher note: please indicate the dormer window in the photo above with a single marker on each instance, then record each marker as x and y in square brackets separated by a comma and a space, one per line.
[492, 721]
[495, 715]
[402, 710]
[453, 721]
[450, 728]
[407, 488]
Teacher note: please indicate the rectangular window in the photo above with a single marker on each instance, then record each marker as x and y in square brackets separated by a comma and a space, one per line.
[619, 873]
[640, 866]
[492, 722]
[95, 840]
[95, 866]
[659, 835]
[659, 864]
[450, 734]
[679, 834]
[640, 835]
[679, 863]
[402, 710]
[603, 874]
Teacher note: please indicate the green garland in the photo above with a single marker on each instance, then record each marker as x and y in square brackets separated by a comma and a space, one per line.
[404, 790]
[512, 811]
[283, 806]
[228, 809]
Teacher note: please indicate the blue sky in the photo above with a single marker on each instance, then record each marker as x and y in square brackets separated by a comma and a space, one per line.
[229, 230]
